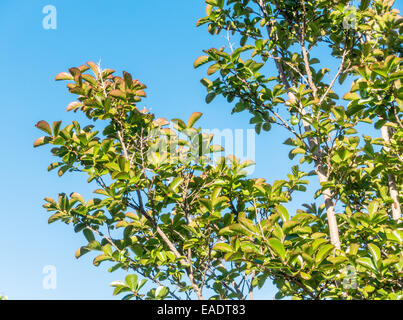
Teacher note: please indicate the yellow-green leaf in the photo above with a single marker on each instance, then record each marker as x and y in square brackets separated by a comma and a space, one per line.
[77, 196]
[81, 251]
[223, 247]
[213, 69]
[323, 252]
[200, 61]
[351, 96]
[277, 247]
[193, 118]
[283, 213]
[375, 252]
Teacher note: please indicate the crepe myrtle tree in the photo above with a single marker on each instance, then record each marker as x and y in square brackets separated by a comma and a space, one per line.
[197, 228]
[270, 71]
[301, 97]
[164, 201]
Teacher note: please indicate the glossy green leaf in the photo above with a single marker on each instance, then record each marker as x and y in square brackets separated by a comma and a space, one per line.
[323, 252]
[375, 251]
[366, 262]
[277, 247]
[131, 281]
[223, 247]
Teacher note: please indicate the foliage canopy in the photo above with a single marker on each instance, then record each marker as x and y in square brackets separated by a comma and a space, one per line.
[192, 226]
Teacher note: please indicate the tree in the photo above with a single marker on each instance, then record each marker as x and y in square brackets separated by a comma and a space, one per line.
[367, 43]
[195, 227]
[164, 174]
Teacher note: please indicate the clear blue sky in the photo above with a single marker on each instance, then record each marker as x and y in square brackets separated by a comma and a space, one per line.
[157, 42]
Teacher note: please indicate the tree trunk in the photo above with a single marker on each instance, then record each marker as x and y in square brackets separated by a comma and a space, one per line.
[393, 191]
[327, 196]
[320, 171]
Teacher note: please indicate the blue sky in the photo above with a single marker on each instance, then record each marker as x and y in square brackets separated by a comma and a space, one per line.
[157, 42]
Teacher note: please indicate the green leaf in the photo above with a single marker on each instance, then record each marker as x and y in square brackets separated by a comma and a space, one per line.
[55, 217]
[101, 191]
[210, 97]
[107, 249]
[200, 61]
[305, 276]
[81, 251]
[323, 252]
[240, 229]
[248, 247]
[389, 261]
[248, 224]
[120, 287]
[77, 196]
[289, 225]
[294, 120]
[337, 260]
[351, 96]
[366, 262]
[56, 127]
[213, 69]
[216, 148]
[353, 249]
[118, 284]
[277, 246]
[88, 235]
[382, 72]
[161, 292]
[395, 236]
[131, 281]
[94, 245]
[283, 213]
[379, 124]
[122, 176]
[141, 284]
[375, 252]
[98, 259]
[317, 243]
[266, 126]
[62, 170]
[364, 4]
[207, 204]
[174, 185]
[223, 247]
[342, 77]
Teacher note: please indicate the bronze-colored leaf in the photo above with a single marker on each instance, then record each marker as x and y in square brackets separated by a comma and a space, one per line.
[64, 76]
[74, 105]
[44, 126]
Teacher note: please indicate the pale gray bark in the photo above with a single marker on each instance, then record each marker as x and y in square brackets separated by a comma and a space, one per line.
[393, 191]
